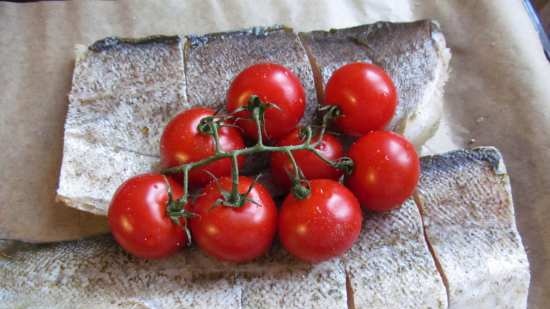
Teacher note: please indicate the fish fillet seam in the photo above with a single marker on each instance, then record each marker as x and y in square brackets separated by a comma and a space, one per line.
[438, 266]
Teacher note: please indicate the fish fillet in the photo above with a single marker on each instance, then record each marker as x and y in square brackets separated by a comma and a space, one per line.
[124, 91]
[213, 60]
[123, 94]
[466, 202]
[414, 54]
[391, 267]
[468, 223]
[96, 273]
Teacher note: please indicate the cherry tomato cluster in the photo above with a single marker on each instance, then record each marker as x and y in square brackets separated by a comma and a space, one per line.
[233, 217]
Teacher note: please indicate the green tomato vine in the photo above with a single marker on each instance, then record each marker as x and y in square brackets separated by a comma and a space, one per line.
[211, 125]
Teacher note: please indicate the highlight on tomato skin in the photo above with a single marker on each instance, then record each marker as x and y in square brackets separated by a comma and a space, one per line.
[365, 95]
[274, 84]
[386, 170]
[312, 166]
[181, 142]
[234, 234]
[322, 226]
[138, 219]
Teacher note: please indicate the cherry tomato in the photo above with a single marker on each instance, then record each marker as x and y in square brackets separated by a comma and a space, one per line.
[138, 220]
[323, 225]
[234, 234]
[182, 142]
[272, 83]
[311, 165]
[386, 170]
[365, 95]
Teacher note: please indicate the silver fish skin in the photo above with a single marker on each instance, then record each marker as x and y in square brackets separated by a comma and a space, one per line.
[468, 225]
[123, 93]
[391, 266]
[119, 65]
[414, 54]
[466, 202]
[213, 60]
[125, 90]
[96, 273]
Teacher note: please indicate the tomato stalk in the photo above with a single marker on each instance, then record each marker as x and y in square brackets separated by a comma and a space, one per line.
[176, 207]
[258, 116]
[300, 188]
[235, 197]
[330, 112]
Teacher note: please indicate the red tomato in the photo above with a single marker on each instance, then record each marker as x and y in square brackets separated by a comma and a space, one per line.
[234, 234]
[182, 142]
[138, 219]
[272, 83]
[310, 164]
[386, 170]
[323, 225]
[365, 95]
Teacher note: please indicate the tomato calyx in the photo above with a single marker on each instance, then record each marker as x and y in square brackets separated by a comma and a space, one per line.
[175, 209]
[345, 164]
[257, 109]
[301, 189]
[254, 102]
[207, 125]
[329, 112]
[233, 198]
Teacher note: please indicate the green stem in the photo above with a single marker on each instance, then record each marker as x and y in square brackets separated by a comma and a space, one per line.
[216, 136]
[235, 196]
[238, 152]
[309, 136]
[329, 114]
[300, 190]
[185, 196]
[257, 116]
[327, 161]
[296, 168]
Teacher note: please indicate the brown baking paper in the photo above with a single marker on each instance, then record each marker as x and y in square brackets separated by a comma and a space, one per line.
[498, 94]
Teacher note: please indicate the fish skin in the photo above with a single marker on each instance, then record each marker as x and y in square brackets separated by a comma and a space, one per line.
[213, 60]
[414, 54]
[296, 287]
[289, 283]
[389, 267]
[466, 202]
[124, 92]
[116, 65]
[392, 245]
[96, 273]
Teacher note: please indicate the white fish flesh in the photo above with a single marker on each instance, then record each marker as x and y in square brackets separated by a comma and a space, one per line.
[123, 94]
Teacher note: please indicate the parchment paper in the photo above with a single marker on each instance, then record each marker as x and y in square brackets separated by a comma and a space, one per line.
[498, 93]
